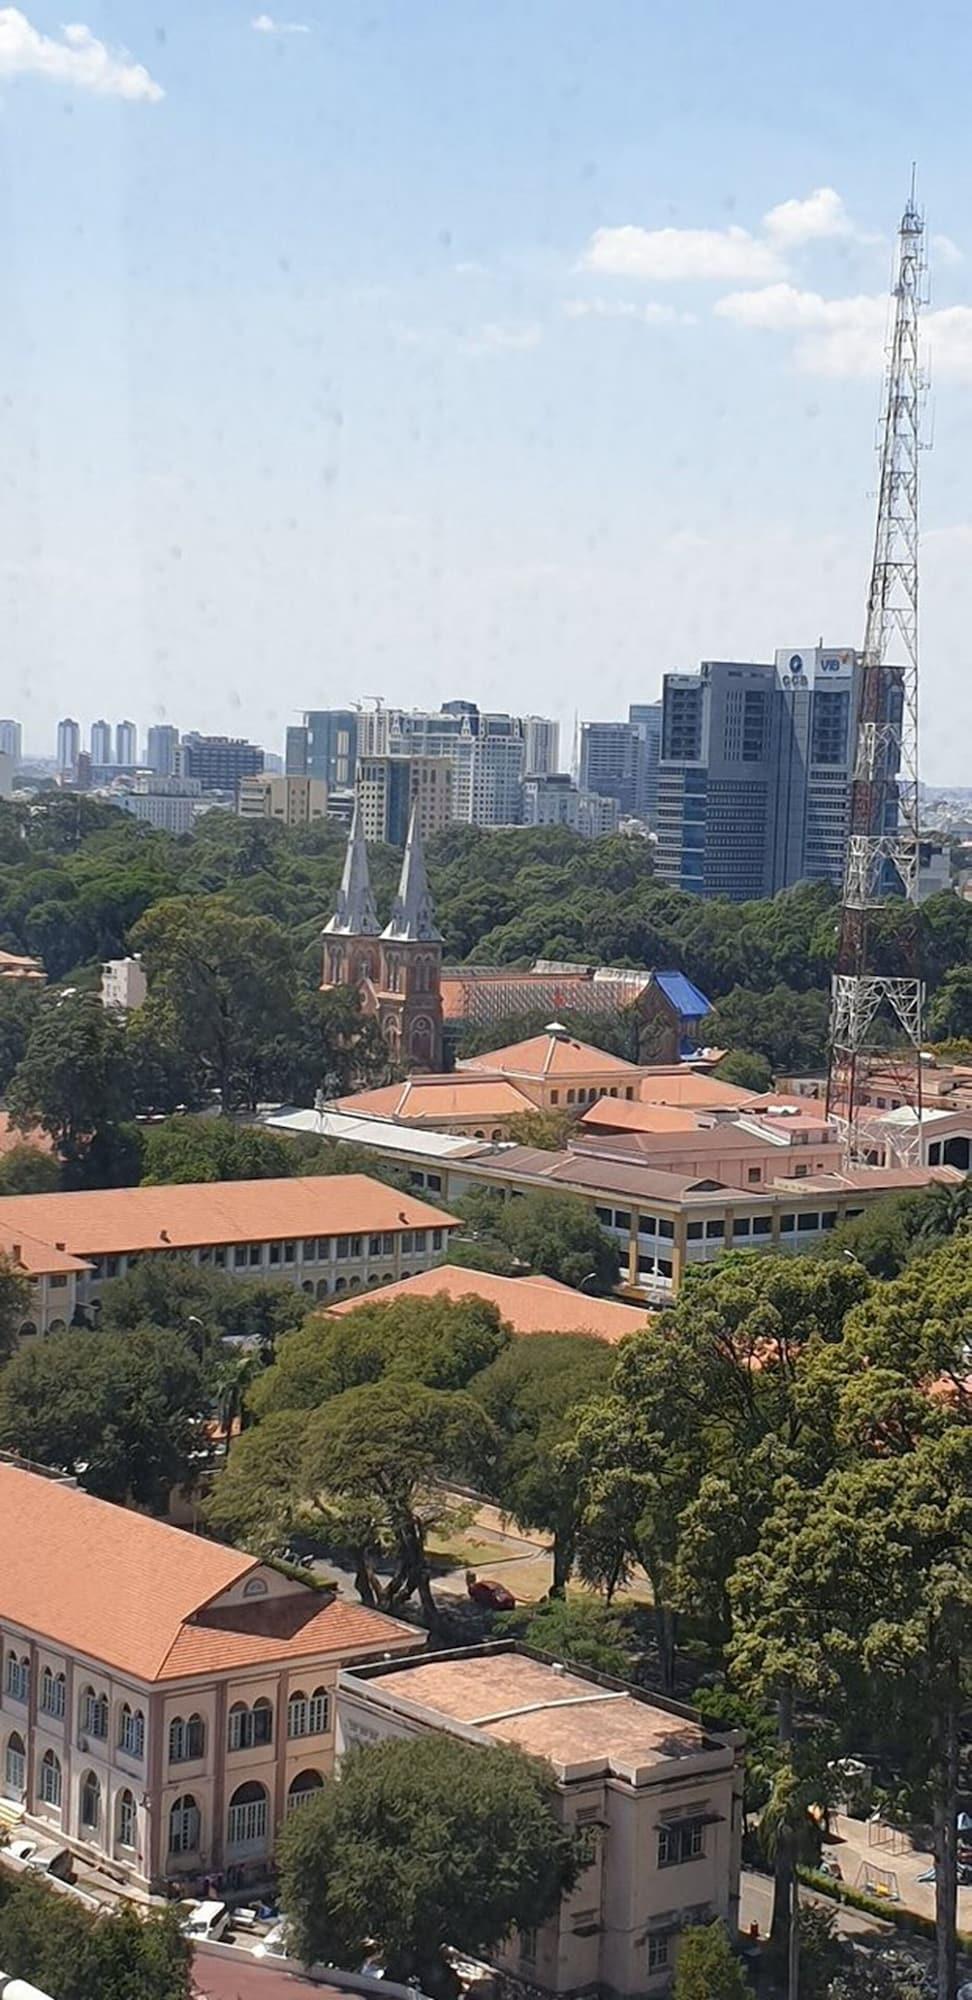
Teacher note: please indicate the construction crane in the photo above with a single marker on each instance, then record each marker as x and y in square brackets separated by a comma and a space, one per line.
[876, 1004]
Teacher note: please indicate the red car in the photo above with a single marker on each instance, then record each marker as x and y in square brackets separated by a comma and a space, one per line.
[490, 1595]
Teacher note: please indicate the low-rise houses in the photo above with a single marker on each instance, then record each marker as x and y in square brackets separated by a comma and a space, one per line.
[165, 1702]
[655, 1797]
[326, 1233]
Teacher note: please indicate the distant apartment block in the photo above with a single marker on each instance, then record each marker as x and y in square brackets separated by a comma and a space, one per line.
[100, 745]
[162, 743]
[7, 773]
[487, 752]
[332, 746]
[68, 746]
[168, 804]
[541, 745]
[12, 740]
[646, 718]
[387, 788]
[218, 762]
[295, 752]
[126, 745]
[291, 801]
[611, 758]
[123, 984]
[555, 800]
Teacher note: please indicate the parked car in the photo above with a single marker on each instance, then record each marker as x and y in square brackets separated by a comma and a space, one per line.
[490, 1595]
[275, 1943]
[206, 1921]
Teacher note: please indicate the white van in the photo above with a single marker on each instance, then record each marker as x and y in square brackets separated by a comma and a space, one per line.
[206, 1921]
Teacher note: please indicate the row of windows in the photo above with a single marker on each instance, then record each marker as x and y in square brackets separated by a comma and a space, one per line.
[590, 1096]
[307, 1715]
[248, 1728]
[311, 1249]
[247, 1818]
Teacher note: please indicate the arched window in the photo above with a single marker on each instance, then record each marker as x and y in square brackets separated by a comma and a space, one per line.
[131, 1734]
[187, 1739]
[14, 1767]
[94, 1713]
[90, 1803]
[322, 1288]
[17, 1676]
[127, 1820]
[184, 1825]
[26, 1330]
[52, 1693]
[250, 1726]
[303, 1788]
[50, 1779]
[307, 1717]
[246, 1823]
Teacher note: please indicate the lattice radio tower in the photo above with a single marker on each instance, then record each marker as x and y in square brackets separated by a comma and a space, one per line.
[876, 1005]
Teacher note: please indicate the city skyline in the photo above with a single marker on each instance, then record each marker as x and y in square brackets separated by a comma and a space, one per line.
[314, 390]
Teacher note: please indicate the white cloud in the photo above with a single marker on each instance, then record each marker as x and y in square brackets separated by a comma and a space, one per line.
[670, 255]
[946, 251]
[794, 222]
[78, 60]
[264, 24]
[847, 336]
[497, 338]
[650, 314]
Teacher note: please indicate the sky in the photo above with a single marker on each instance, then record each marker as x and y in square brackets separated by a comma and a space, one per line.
[519, 350]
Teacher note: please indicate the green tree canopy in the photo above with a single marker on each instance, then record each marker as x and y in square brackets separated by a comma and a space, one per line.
[222, 989]
[28, 1170]
[14, 1304]
[72, 1079]
[706, 1967]
[175, 1293]
[437, 1341]
[419, 1844]
[62, 1948]
[121, 1411]
[582, 1629]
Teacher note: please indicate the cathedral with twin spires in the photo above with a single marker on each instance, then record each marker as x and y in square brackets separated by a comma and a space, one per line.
[396, 972]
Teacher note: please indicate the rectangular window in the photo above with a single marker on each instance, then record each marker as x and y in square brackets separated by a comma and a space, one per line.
[374, 1246]
[289, 1253]
[555, 1097]
[219, 1257]
[828, 1220]
[683, 1840]
[762, 1225]
[648, 1225]
[664, 1267]
[357, 1246]
[754, 1173]
[604, 1216]
[787, 1224]
[528, 1947]
[241, 1254]
[256, 1253]
[622, 1218]
[342, 1248]
[657, 1952]
[57, 1282]
[741, 1226]
[310, 1249]
[437, 1239]
[807, 1222]
[666, 1229]
[714, 1230]
[324, 1252]
[275, 1253]
[434, 1183]
[421, 1239]
[694, 1232]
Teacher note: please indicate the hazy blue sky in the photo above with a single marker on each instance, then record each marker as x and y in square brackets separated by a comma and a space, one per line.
[517, 349]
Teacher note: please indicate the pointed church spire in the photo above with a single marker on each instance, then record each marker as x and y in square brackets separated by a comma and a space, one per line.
[355, 915]
[413, 917]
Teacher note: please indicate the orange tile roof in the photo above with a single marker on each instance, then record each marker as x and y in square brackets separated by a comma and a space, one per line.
[423, 1099]
[622, 1113]
[529, 1305]
[550, 1055]
[122, 1589]
[35, 1259]
[116, 1220]
[691, 1090]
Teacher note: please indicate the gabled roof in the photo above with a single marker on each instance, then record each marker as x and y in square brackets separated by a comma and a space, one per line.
[687, 999]
[529, 1305]
[611, 1114]
[551, 1055]
[694, 1091]
[127, 1591]
[422, 1098]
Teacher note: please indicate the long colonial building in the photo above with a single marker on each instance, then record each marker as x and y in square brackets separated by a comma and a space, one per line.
[326, 1233]
[165, 1702]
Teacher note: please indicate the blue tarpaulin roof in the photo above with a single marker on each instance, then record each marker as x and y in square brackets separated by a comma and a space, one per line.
[685, 998]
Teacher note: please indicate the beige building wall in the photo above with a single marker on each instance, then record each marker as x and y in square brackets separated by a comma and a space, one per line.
[289, 799]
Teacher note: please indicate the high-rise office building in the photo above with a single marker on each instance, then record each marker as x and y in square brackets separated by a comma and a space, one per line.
[486, 750]
[755, 773]
[387, 789]
[218, 762]
[126, 745]
[295, 752]
[68, 745]
[12, 740]
[100, 745]
[646, 718]
[541, 746]
[332, 746]
[610, 762]
[160, 749]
